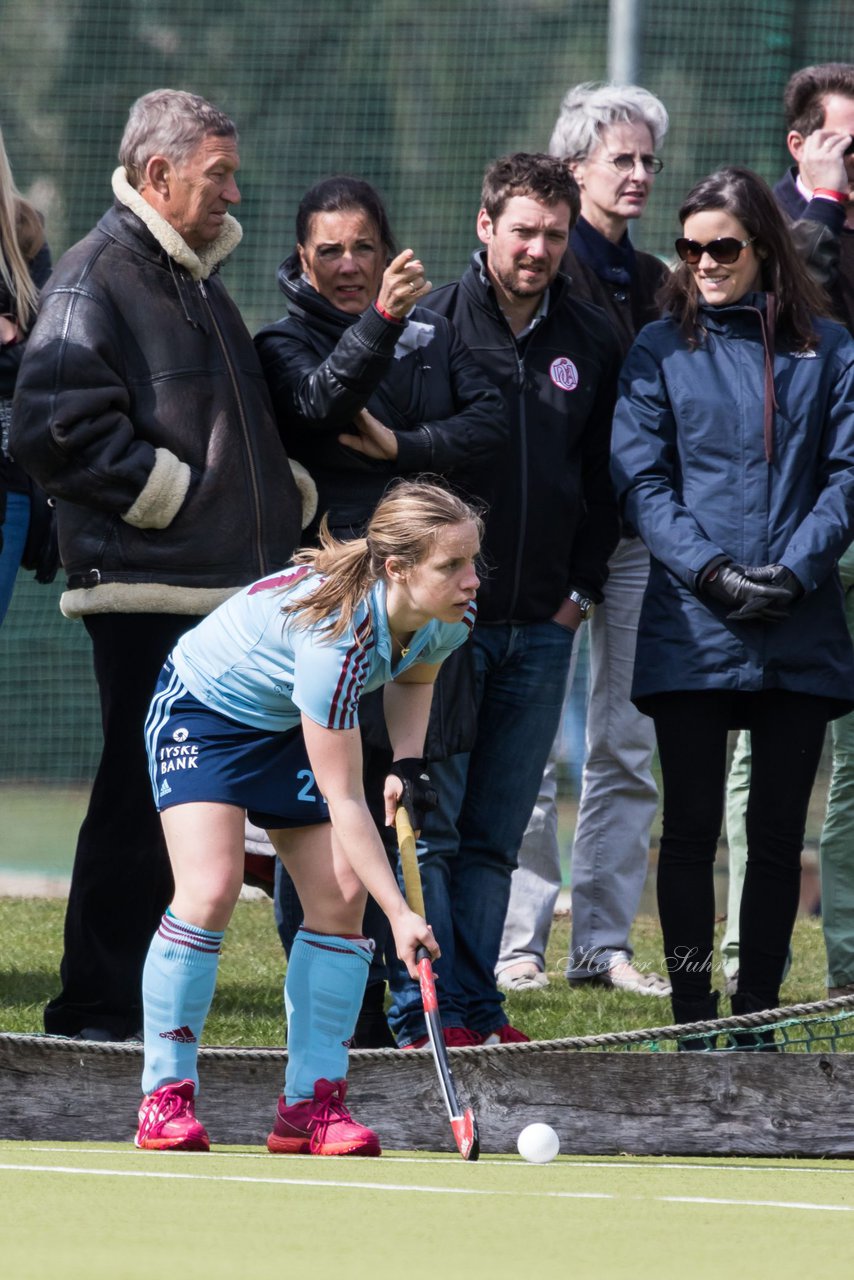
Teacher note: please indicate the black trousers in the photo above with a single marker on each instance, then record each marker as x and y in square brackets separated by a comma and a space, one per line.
[121, 882]
[787, 733]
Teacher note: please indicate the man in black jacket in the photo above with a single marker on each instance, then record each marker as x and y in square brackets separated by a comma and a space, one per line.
[819, 189]
[549, 534]
[142, 408]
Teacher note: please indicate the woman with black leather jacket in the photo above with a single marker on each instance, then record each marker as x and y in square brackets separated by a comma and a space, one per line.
[369, 386]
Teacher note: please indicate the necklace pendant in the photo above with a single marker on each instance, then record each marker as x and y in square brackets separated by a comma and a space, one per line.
[404, 651]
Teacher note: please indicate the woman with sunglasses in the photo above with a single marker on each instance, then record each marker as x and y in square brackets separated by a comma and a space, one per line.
[733, 455]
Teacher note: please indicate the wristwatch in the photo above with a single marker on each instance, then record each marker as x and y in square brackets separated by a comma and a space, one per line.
[584, 603]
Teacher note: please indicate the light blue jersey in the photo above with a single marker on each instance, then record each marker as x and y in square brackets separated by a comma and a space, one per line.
[255, 665]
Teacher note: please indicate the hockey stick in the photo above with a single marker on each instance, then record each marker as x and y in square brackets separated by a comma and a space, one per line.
[463, 1123]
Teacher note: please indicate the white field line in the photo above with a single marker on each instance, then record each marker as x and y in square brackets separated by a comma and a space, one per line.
[321, 1183]
[757, 1204]
[642, 1162]
[315, 1183]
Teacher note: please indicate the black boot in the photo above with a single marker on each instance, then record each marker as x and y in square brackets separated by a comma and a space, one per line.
[759, 1041]
[371, 1027]
[695, 1009]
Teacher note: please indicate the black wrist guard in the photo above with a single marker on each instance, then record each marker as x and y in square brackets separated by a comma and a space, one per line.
[419, 794]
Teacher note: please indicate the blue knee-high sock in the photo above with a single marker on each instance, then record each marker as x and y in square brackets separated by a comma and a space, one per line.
[177, 988]
[324, 986]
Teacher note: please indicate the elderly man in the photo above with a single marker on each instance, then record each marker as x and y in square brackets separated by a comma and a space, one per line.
[551, 528]
[142, 408]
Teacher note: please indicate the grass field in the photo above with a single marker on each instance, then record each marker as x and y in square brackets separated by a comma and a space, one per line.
[247, 1008]
[40, 827]
[92, 1212]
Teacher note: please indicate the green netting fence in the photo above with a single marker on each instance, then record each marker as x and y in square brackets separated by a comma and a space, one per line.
[415, 96]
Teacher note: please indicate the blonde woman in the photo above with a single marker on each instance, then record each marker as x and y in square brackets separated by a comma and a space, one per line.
[257, 712]
[24, 267]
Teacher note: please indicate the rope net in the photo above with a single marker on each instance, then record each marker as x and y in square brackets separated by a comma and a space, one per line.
[821, 1027]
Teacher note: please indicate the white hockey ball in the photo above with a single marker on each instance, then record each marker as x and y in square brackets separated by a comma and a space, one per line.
[538, 1143]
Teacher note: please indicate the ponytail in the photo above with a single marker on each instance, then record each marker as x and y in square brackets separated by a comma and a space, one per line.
[405, 525]
[346, 576]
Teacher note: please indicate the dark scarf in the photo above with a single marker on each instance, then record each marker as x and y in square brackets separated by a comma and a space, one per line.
[616, 264]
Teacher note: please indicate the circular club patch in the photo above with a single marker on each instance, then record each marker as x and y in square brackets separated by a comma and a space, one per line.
[563, 373]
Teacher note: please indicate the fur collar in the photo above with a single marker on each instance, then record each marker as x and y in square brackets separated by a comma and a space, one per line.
[201, 264]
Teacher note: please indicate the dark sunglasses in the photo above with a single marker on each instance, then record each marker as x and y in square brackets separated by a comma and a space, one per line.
[724, 250]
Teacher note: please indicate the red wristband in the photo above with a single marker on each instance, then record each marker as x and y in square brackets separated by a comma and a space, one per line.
[386, 315]
[841, 197]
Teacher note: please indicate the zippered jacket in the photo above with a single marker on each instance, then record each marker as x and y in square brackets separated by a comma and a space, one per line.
[323, 366]
[825, 243]
[704, 474]
[13, 478]
[141, 407]
[553, 523]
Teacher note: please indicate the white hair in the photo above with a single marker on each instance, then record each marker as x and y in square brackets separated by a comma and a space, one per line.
[171, 123]
[588, 109]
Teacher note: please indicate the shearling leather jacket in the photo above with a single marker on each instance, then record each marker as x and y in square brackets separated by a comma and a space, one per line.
[141, 407]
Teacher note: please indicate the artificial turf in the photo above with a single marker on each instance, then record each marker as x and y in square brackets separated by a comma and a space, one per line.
[85, 1212]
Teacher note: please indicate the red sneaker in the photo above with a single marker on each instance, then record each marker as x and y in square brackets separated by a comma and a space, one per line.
[506, 1035]
[321, 1126]
[167, 1120]
[454, 1037]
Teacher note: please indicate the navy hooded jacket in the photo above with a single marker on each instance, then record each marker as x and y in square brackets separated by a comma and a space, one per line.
[691, 467]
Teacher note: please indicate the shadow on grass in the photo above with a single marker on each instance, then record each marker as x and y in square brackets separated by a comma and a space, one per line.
[27, 986]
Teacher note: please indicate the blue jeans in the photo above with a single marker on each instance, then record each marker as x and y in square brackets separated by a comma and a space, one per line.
[618, 800]
[15, 527]
[469, 846]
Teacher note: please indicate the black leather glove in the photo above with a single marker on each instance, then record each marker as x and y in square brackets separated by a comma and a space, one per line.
[748, 600]
[776, 575]
[419, 795]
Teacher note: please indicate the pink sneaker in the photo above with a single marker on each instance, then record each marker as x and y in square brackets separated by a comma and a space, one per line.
[321, 1126]
[167, 1120]
[454, 1037]
[506, 1035]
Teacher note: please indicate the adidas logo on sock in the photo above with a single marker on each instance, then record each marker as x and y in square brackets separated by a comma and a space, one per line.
[182, 1035]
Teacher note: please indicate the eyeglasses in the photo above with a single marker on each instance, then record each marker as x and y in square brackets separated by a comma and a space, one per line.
[625, 162]
[725, 250]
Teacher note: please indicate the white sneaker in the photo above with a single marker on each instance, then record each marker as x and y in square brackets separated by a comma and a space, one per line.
[522, 977]
[621, 975]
